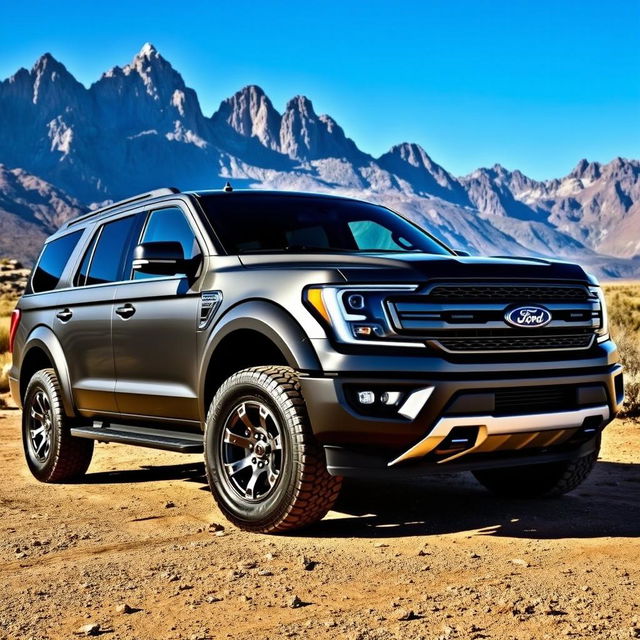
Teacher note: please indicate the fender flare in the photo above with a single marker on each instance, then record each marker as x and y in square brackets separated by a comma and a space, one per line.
[45, 339]
[274, 323]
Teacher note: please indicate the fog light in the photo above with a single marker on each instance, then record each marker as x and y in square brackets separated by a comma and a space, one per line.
[366, 397]
[390, 397]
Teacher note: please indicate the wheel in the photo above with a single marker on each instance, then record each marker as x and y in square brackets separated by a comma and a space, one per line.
[539, 480]
[265, 469]
[52, 453]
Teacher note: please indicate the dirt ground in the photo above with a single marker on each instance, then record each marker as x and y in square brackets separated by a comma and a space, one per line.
[134, 550]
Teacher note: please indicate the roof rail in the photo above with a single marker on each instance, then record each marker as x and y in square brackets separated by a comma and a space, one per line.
[156, 193]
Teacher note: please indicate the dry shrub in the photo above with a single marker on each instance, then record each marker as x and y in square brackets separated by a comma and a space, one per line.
[624, 317]
[5, 365]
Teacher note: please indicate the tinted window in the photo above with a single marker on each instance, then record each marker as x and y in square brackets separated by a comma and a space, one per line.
[169, 225]
[112, 247]
[53, 261]
[81, 276]
[253, 223]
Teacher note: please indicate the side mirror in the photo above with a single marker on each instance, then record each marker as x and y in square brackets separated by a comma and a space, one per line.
[159, 258]
[462, 254]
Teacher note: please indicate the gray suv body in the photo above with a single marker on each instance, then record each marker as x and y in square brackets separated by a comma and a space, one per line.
[297, 339]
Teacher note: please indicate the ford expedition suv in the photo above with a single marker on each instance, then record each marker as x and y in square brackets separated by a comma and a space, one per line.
[296, 339]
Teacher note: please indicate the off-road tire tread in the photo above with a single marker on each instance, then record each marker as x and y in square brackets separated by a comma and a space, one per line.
[315, 489]
[72, 456]
[538, 481]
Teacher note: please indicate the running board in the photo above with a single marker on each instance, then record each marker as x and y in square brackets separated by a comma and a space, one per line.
[177, 441]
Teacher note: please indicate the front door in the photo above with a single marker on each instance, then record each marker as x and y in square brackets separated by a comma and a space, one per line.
[154, 330]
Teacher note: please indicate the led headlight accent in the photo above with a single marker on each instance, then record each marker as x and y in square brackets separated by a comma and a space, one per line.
[357, 314]
[603, 330]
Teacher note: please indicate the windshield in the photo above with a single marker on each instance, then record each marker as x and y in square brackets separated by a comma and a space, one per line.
[255, 223]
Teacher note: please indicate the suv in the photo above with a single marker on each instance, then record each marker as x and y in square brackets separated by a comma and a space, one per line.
[296, 339]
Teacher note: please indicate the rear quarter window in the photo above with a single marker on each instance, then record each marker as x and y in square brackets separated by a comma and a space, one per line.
[53, 261]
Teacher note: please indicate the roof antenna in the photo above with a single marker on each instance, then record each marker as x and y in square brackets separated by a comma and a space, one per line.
[228, 188]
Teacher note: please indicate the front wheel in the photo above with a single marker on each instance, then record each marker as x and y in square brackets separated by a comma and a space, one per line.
[265, 468]
[539, 480]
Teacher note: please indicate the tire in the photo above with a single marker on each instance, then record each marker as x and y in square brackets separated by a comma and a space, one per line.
[266, 471]
[52, 453]
[546, 480]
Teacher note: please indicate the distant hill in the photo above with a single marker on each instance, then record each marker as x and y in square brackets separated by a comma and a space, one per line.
[64, 147]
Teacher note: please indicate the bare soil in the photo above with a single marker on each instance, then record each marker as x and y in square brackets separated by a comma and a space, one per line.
[134, 551]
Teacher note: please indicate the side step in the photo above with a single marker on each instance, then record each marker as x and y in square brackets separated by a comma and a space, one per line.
[177, 441]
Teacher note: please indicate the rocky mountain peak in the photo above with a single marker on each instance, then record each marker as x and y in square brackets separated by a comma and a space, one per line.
[410, 162]
[250, 113]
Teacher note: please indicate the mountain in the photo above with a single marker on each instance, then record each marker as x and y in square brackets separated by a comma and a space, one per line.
[64, 147]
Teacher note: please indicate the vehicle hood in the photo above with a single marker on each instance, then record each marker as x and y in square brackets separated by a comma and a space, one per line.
[418, 267]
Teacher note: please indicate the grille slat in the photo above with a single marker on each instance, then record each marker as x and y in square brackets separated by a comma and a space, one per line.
[516, 343]
[535, 400]
[507, 293]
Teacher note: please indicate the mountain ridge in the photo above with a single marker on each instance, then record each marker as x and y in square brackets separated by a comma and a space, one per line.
[139, 126]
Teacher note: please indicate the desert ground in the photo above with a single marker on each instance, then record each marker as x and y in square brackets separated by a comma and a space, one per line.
[139, 550]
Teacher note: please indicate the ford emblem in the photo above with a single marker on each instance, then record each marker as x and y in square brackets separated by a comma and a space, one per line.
[532, 317]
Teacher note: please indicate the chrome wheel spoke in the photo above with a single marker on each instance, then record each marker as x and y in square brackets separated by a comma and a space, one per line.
[36, 415]
[234, 468]
[251, 485]
[235, 439]
[276, 443]
[37, 431]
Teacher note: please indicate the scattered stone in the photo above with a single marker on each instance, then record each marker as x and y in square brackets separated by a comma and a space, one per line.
[214, 527]
[474, 556]
[91, 629]
[124, 608]
[169, 505]
[308, 565]
[295, 603]
[212, 599]
[520, 562]
[406, 614]
[265, 572]
[380, 545]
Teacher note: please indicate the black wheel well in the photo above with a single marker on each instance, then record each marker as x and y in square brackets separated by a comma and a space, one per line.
[35, 360]
[240, 349]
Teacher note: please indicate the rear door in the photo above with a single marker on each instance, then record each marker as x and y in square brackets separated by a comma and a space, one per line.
[83, 321]
[154, 331]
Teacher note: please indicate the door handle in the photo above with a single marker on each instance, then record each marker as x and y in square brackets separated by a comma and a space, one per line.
[126, 311]
[64, 315]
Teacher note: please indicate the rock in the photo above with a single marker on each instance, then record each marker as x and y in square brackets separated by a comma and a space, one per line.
[169, 505]
[295, 603]
[124, 608]
[380, 545]
[520, 562]
[265, 572]
[474, 556]
[406, 614]
[214, 527]
[308, 565]
[91, 629]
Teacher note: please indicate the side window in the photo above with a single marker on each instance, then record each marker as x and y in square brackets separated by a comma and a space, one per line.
[169, 225]
[110, 250]
[53, 260]
[81, 277]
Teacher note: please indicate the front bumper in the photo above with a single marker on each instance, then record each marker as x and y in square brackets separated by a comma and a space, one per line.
[460, 401]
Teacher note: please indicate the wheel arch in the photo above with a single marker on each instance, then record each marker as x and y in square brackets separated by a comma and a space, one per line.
[251, 334]
[43, 350]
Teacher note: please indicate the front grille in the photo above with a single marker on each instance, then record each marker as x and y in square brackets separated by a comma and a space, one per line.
[507, 293]
[515, 343]
[526, 400]
[470, 317]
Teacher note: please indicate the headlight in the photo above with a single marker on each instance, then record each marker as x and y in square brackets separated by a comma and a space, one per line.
[603, 330]
[358, 314]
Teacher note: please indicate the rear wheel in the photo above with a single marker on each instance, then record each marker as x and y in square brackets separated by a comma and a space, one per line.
[539, 480]
[265, 468]
[51, 452]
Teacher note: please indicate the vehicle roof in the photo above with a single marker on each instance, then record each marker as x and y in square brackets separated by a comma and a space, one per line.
[171, 193]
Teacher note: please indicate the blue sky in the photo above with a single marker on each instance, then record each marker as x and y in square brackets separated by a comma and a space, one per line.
[534, 85]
